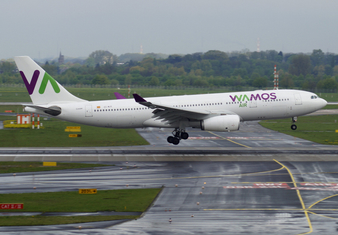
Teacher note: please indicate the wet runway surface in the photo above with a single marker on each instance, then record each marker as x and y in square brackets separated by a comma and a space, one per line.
[250, 135]
[203, 197]
[254, 181]
[251, 140]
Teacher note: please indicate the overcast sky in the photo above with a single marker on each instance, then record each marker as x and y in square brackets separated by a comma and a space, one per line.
[41, 28]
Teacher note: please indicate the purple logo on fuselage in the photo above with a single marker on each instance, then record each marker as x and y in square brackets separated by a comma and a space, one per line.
[264, 96]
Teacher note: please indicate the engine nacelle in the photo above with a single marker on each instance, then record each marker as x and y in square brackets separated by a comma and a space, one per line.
[221, 123]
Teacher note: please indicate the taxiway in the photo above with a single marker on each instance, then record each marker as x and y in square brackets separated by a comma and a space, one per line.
[255, 181]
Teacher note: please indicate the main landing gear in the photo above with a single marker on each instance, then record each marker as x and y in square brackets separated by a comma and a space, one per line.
[177, 136]
[293, 126]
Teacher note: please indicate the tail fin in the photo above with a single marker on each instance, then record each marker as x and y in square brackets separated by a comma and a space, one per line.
[42, 88]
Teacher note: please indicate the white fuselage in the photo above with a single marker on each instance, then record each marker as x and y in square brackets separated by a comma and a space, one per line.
[253, 105]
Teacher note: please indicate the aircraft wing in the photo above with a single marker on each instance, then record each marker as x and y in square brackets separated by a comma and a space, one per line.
[170, 114]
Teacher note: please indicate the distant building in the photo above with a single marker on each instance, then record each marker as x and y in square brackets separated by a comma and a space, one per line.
[61, 58]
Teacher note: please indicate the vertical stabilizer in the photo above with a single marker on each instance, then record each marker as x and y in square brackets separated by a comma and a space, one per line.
[42, 88]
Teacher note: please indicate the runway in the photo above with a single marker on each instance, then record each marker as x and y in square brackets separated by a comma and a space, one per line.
[254, 181]
[252, 143]
[203, 197]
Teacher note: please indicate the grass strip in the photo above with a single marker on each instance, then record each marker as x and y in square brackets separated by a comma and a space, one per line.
[54, 135]
[17, 167]
[52, 220]
[124, 200]
[331, 106]
[319, 129]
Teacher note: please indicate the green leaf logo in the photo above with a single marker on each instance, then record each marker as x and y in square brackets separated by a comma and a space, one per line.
[44, 82]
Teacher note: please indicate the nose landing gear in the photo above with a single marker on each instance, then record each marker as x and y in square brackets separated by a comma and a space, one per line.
[177, 136]
[294, 126]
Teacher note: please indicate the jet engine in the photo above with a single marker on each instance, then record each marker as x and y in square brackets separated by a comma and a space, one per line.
[221, 123]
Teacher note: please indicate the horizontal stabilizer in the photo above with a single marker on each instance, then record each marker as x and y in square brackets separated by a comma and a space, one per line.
[53, 110]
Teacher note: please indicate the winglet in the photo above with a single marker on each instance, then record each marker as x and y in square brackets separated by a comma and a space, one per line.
[119, 96]
[138, 98]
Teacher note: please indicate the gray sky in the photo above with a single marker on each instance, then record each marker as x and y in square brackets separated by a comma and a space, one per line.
[41, 28]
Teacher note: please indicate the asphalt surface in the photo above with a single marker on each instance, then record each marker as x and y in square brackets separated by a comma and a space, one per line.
[254, 181]
[202, 197]
[252, 142]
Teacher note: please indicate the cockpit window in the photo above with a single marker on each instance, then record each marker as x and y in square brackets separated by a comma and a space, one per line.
[314, 97]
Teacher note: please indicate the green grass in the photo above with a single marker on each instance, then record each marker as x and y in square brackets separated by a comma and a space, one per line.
[329, 97]
[331, 106]
[14, 94]
[50, 220]
[319, 129]
[15, 108]
[54, 135]
[125, 200]
[17, 167]
[131, 200]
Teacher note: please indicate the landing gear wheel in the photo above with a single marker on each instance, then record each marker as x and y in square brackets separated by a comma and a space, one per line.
[170, 139]
[293, 127]
[176, 141]
[184, 135]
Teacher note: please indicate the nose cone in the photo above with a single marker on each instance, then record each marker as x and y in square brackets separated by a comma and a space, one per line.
[322, 102]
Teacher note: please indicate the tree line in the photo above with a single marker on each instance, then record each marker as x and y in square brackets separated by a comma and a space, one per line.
[313, 71]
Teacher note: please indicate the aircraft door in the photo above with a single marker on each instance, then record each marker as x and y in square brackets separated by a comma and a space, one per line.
[89, 111]
[298, 99]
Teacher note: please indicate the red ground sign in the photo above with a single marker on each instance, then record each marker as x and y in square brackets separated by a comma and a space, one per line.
[11, 206]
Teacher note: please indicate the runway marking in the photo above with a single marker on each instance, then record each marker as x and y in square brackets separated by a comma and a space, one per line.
[322, 215]
[322, 200]
[255, 209]
[204, 138]
[300, 198]
[245, 138]
[229, 140]
[301, 183]
[268, 209]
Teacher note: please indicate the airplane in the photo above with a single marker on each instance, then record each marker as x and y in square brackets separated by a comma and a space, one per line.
[221, 112]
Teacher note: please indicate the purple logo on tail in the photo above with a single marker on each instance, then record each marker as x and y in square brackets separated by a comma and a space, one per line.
[30, 86]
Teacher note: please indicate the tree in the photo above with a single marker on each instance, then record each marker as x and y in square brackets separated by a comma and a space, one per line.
[7, 67]
[286, 81]
[100, 80]
[101, 57]
[335, 70]
[154, 81]
[319, 70]
[328, 84]
[317, 57]
[260, 82]
[127, 80]
[215, 55]
[300, 64]
[50, 69]
[174, 59]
